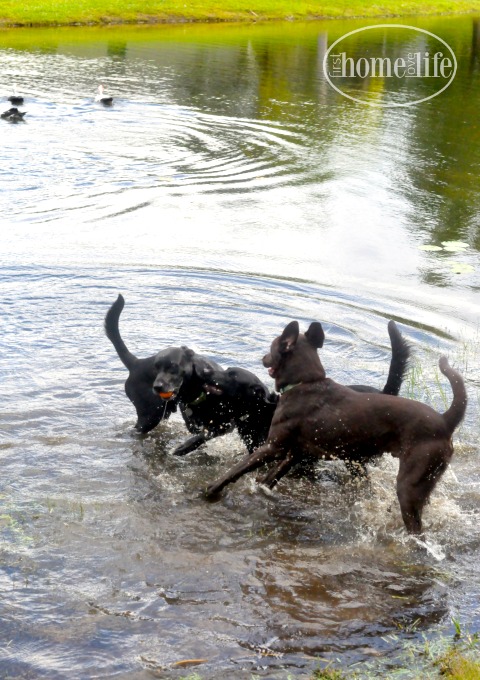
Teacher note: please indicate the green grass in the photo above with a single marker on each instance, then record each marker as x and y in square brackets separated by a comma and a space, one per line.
[327, 674]
[443, 658]
[457, 667]
[460, 660]
[84, 12]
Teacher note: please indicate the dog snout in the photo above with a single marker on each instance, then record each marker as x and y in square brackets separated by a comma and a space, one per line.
[163, 389]
[267, 361]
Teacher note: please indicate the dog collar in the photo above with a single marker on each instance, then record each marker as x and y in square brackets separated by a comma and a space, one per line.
[198, 400]
[282, 390]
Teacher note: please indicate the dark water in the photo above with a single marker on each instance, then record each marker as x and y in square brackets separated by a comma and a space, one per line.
[228, 190]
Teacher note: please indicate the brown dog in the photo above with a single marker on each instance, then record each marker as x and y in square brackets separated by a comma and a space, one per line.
[317, 417]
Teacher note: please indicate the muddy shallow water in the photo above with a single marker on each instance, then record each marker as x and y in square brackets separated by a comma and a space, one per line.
[228, 190]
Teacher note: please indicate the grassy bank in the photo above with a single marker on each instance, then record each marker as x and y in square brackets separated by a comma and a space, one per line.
[85, 12]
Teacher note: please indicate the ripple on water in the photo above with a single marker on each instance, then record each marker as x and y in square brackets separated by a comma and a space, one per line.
[112, 561]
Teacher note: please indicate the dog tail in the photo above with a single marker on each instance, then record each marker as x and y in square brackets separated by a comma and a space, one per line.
[454, 415]
[399, 362]
[113, 333]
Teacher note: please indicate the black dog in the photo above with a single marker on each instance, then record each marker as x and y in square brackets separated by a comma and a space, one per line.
[251, 405]
[141, 375]
[212, 401]
[179, 378]
[249, 402]
[317, 417]
[157, 384]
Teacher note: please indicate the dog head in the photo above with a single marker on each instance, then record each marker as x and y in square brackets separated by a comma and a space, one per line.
[236, 384]
[174, 366]
[293, 356]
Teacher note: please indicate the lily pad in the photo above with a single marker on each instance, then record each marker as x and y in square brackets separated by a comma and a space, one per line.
[430, 248]
[454, 246]
[461, 268]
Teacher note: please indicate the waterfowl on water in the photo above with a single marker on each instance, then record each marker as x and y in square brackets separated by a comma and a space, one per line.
[13, 115]
[103, 98]
[15, 98]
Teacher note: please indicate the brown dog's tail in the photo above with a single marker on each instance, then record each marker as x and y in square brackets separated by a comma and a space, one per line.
[454, 415]
[399, 360]
[113, 333]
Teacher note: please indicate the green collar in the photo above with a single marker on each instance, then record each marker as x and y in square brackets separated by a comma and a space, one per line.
[198, 400]
[282, 390]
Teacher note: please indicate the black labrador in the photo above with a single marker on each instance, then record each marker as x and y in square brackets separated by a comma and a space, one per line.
[157, 384]
[179, 378]
[141, 375]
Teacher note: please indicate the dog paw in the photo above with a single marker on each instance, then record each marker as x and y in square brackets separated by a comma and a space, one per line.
[267, 481]
[268, 490]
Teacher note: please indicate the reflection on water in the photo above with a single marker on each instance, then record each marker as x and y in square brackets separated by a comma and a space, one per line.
[228, 190]
[240, 123]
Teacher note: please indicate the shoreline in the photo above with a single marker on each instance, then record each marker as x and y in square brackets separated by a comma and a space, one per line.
[40, 14]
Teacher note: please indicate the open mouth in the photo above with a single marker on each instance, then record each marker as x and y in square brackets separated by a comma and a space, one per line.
[271, 372]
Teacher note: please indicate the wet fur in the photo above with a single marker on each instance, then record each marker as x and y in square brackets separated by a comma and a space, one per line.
[317, 417]
[180, 371]
[177, 370]
[141, 376]
[252, 405]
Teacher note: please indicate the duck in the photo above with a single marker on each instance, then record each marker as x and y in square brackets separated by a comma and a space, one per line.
[13, 115]
[15, 98]
[103, 98]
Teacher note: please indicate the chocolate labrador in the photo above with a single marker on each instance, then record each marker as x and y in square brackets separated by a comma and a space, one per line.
[252, 405]
[317, 417]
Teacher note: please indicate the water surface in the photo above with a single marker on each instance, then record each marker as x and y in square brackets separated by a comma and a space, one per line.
[227, 191]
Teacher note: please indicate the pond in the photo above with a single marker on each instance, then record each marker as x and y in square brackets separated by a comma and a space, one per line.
[228, 190]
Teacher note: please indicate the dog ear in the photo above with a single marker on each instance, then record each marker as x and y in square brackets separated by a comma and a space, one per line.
[315, 334]
[260, 392]
[289, 337]
[201, 367]
[189, 353]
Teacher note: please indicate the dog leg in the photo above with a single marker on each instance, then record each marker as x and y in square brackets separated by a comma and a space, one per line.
[272, 477]
[420, 469]
[247, 464]
[191, 444]
[197, 440]
[147, 420]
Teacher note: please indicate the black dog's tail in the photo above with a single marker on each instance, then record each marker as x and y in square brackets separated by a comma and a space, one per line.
[113, 333]
[454, 415]
[399, 361]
